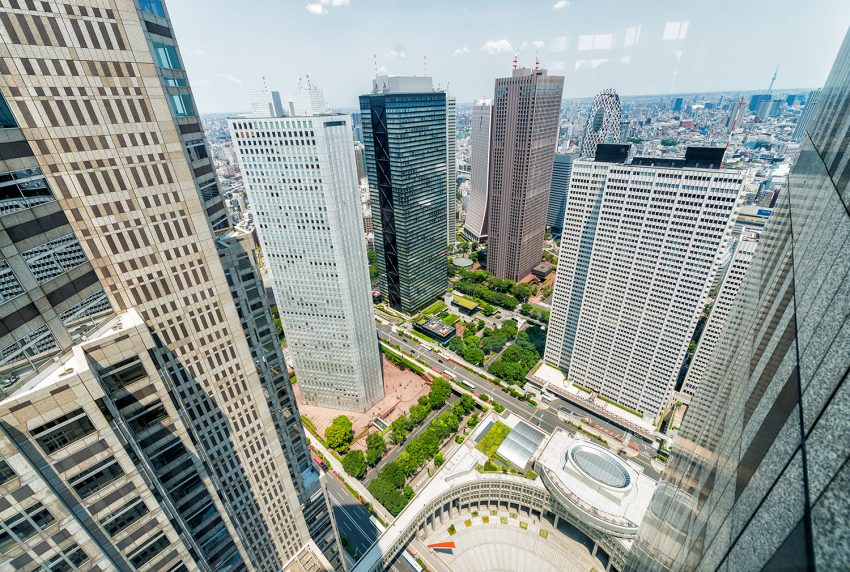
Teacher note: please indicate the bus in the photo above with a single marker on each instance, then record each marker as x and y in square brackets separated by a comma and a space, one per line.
[547, 397]
[411, 560]
[469, 385]
[449, 375]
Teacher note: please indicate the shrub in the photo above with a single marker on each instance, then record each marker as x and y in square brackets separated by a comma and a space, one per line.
[354, 463]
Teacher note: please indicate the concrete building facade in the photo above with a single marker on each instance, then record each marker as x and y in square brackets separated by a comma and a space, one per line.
[640, 247]
[102, 100]
[301, 178]
[561, 169]
[475, 226]
[524, 133]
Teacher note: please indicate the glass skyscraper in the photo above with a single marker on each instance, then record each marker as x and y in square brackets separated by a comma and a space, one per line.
[759, 479]
[404, 130]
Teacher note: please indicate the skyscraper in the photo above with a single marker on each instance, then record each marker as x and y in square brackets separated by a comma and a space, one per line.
[170, 399]
[806, 115]
[524, 133]
[266, 103]
[558, 192]
[759, 473]
[475, 226]
[603, 123]
[301, 178]
[451, 169]
[306, 100]
[404, 130]
[725, 299]
[640, 246]
[677, 104]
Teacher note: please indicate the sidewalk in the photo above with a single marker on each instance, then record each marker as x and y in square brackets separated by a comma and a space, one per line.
[336, 465]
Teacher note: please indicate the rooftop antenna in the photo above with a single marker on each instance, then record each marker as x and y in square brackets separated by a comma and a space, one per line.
[300, 83]
[516, 59]
[425, 61]
[773, 79]
[536, 62]
[265, 86]
[309, 83]
[375, 59]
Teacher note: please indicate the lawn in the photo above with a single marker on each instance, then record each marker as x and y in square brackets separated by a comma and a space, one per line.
[494, 437]
[450, 319]
[434, 308]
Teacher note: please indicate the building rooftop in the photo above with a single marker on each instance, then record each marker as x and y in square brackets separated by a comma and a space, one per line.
[521, 444]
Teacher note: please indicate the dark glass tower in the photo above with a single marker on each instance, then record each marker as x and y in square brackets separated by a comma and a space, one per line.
[404, 130]
[761, 483]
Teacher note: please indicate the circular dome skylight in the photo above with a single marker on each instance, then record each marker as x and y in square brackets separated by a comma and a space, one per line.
[601, 466]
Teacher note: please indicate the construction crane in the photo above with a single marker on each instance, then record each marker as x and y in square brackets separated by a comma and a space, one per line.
[773, 79]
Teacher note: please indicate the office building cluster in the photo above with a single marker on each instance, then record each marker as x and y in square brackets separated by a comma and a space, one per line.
[148, 414]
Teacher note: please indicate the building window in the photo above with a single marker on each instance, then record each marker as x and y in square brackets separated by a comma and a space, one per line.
[95, 478]
[54, 257]
[24, 525]
[9, 285]
[166, 56]
[152, 7]
[172, 81]
[7, 120]
[123, 373]
[144, 555]
[67, 559]
[62, 431]
[23, 189]
[6, 472]
[115, 523]
[197, 150]
[181, 104]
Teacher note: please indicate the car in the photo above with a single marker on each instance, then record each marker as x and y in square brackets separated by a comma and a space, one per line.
[439, 361]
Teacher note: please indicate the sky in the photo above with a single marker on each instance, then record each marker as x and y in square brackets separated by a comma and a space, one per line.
[638, 47]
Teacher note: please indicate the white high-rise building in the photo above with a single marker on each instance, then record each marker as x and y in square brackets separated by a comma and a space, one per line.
[306, 101]
[451, 169]
[475, 226]
[640, 246]
[266, 103]
[726, 295]
[302, 181]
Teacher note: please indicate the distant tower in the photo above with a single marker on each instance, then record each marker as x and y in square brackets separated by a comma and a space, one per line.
[475, 226]
[603, 123]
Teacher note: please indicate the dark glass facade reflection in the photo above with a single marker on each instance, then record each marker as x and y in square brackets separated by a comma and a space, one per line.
[763, 483]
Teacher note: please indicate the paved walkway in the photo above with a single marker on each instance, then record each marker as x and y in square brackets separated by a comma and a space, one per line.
[508, 544]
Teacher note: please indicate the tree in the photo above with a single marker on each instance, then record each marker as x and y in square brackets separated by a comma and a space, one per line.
[438, 460]
[339, 434]
[418, 413]
[440, 391]
[522, 292]
[408, 492]
[354, 463]
[375, 447]
[399, 429]
[394, 474]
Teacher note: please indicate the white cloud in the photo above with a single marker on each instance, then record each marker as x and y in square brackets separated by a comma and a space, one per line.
[197, 52]
[230, 78]
[560, 4]
[320, 8]
[398, 53]
[496, 46]
[539, 44]
[461, 51]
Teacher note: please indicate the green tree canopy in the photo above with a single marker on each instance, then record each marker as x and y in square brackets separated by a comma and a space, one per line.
[339, 434]
[354, 463]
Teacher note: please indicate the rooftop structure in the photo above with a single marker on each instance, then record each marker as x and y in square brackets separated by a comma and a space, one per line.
[436, 329]
[521, 444]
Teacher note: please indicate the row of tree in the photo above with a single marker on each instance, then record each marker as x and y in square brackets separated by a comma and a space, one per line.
[389, 486]
[518, 358]
[535, 312]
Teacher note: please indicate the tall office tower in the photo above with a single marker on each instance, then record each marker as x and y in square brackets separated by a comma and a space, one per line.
[736, 114]
[755, 100]
[357, 126]
[806, 115]
[524, 132]
[404, 130]
[558, 192]
[725, 298]
[640, 246]
[475, 226]
[300, 175]
[309, 100]
[112, 125]
[677, 104]
[761, 483]
[451, 169]
[603, 123]
[266, 103]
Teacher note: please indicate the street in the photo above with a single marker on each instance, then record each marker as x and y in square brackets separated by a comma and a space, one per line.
[351, 517]
[546, 418]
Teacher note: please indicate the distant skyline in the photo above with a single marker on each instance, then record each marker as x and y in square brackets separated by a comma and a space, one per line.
[651, 47]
